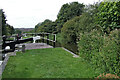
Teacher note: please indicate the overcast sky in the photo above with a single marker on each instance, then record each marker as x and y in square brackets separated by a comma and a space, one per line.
[27, 13]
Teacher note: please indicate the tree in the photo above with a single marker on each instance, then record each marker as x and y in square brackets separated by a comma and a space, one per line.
[46, 26]
[36, 27]
[9, 29]
[3, 23]
[79, 24]
[17, 31]
[6, 28]
[67, 12]
[69, 31]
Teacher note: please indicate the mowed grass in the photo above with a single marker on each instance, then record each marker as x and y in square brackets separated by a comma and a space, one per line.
[47, 63]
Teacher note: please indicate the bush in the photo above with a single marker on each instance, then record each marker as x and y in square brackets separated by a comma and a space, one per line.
[115, 34]
[79, 24]
[108, 15]
[89, 44]
[101, 51]
[109, 54]
[69, 31]
[58, 37]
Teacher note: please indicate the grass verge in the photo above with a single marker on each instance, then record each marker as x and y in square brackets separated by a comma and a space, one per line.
[47, 63]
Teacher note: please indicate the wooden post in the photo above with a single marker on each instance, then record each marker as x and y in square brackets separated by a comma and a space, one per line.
[43, 37]
[54, 40]
[4, 42]
[48, 39]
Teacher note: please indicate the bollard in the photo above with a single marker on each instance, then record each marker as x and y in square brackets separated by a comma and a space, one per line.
[23, 48]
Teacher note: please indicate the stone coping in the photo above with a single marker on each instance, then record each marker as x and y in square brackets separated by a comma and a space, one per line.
[4, 62]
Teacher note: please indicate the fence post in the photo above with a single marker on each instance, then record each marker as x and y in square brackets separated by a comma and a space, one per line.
[48, 39]
[4, 44]
[39, 34]
[43, 37]
[54, 40]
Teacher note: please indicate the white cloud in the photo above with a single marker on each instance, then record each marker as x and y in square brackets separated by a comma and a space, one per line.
[27, 13]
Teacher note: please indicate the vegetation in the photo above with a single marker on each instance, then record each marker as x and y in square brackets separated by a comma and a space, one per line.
[6, 28]
[47, 63]
[67, 12]
[75, 26]
[94, 29]
[17, 31]
[31, 31]
[70, 28]
[46, 26]
[108, 16]
[101, 51]
[27, 37]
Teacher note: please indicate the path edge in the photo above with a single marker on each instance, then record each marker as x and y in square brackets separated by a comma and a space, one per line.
[74, 55]
[4, 63]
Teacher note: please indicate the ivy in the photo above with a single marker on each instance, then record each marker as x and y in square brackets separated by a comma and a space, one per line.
[109, 15]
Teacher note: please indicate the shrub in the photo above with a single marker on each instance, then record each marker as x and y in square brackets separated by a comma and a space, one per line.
[89, 44]
[79, 24]
[58, 37]
[109, 54]
[116, 35]
[108, 15]
[101, 51]
[69, 31]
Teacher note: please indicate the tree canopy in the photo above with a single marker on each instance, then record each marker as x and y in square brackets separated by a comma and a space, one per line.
[67, 12]
[6, 28]
[46, 26]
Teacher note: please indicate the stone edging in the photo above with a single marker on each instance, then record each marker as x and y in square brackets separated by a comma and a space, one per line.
[74, 55]
[4, 63]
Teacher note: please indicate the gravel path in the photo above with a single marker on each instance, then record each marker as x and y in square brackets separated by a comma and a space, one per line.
[36, 46]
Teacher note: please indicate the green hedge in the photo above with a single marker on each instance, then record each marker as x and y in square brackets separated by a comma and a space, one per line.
[101, 51]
